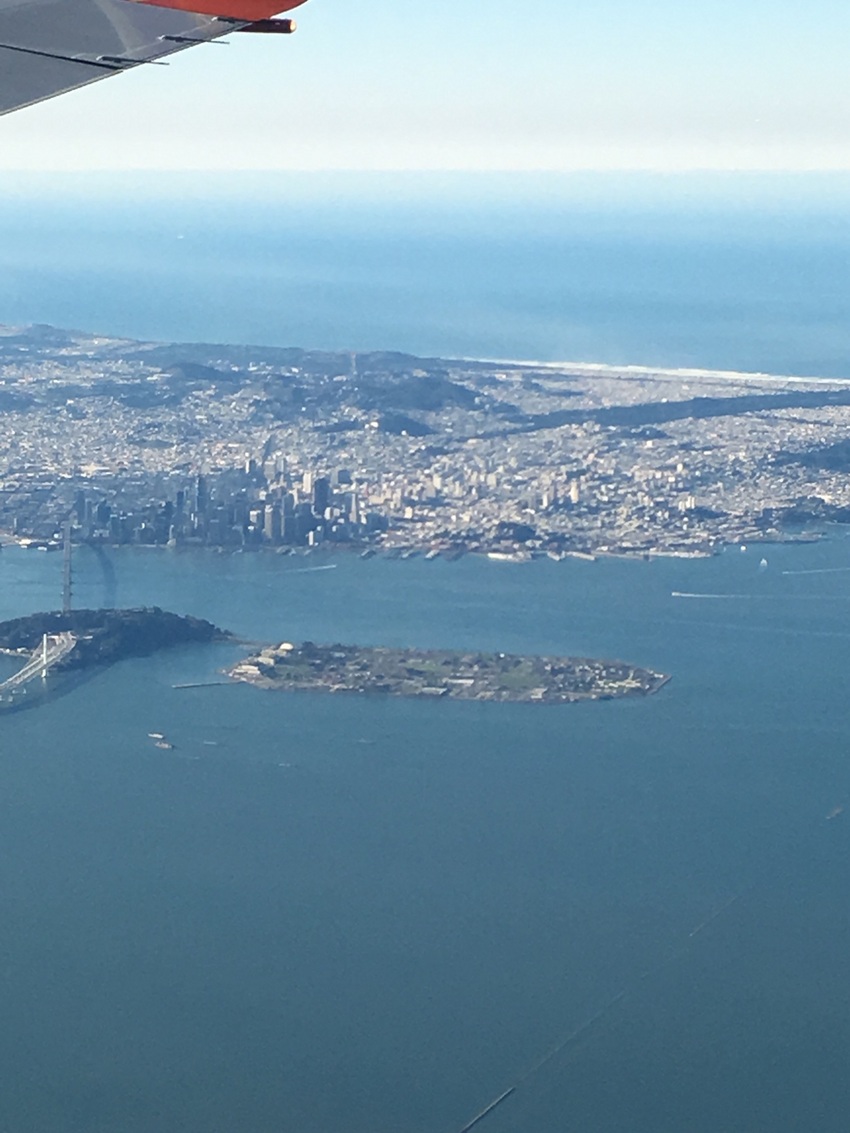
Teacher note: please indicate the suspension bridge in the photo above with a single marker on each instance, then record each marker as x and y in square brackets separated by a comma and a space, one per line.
[53, 648]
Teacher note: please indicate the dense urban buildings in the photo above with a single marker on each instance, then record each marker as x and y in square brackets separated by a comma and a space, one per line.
[243, 447]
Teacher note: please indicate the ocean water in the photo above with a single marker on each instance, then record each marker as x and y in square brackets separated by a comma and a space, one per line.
[325, 914]
[734, 274]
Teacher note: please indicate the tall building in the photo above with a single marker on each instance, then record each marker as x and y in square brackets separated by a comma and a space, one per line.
[202, 497]
[304, 522]
[272, 527]
[321, 494]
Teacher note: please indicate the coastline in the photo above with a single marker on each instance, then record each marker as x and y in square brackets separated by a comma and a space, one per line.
[608, 369]
[448, 551]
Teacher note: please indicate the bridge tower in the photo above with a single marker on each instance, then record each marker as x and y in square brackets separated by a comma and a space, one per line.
[66, 568]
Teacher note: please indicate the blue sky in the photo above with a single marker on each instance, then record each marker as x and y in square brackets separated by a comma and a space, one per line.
[456, 84]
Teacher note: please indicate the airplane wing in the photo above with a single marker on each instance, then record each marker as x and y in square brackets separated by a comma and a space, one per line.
[48, 47]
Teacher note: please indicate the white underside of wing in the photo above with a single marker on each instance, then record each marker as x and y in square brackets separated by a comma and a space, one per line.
[48, 47]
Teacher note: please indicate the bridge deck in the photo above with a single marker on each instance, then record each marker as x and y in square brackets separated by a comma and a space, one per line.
[52, 650]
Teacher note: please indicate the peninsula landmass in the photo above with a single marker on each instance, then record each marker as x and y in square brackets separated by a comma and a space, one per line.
[253, 447]
[444, 673]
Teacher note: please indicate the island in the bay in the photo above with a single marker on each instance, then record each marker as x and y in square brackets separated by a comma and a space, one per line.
[80, 638]
[444, 673]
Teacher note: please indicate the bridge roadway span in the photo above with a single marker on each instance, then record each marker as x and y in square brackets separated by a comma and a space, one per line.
[52, 649]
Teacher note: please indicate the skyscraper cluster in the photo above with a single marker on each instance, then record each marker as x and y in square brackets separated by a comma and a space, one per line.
[259, 505]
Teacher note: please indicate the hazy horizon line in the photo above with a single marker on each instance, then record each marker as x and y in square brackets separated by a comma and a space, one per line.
[634, 187]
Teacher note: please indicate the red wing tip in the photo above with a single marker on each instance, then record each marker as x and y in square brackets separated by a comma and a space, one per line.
[251, 11]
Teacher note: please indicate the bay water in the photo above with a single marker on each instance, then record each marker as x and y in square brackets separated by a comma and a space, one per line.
[322, 913]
